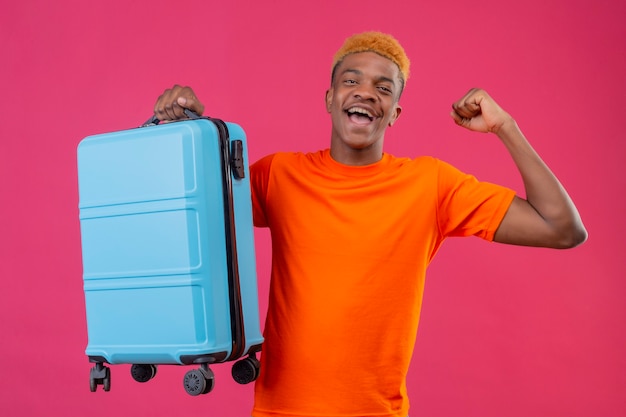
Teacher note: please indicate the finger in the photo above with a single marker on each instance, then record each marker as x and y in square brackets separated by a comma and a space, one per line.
[169, 111]
[468, 107]
[164, 108]
[460, 120]
[469, 104]
[455, 116]
[163, 103]
[187, 99]
[159, 110]
[190, 103]
[170, 105]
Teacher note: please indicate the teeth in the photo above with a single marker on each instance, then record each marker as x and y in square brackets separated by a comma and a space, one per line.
[360, 111]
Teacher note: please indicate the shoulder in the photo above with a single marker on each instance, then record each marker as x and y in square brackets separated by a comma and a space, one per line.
[285, 159]
[424, 165]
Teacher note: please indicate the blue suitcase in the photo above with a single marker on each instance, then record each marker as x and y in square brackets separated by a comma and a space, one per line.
[169, 268]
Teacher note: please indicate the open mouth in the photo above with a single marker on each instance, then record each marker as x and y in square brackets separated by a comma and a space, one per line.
[359, 115]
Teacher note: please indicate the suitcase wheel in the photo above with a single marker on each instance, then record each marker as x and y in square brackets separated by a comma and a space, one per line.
[199, 381]
[100, 375]
[143, 372]
[246, 370]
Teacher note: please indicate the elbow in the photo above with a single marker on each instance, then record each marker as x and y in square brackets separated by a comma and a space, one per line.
[580, 236]
[574, 236]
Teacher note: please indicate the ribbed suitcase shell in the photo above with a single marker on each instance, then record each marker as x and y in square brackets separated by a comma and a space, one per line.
[155, 261]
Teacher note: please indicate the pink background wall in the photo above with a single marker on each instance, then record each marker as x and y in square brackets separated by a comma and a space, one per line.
[505, 331]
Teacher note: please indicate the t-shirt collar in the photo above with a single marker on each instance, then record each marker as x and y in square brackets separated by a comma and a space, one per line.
[354, 170]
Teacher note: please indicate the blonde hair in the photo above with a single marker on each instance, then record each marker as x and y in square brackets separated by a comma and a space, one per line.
[378, 42]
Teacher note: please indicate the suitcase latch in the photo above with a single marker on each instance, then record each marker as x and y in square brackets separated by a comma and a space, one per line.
[236, 159]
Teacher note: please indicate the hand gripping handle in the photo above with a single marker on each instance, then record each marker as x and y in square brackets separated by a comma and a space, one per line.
[153, 121]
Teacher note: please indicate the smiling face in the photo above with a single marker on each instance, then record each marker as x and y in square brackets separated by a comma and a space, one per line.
[362, 102]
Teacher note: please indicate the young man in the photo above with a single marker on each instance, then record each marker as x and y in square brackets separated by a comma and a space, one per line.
[353, 230]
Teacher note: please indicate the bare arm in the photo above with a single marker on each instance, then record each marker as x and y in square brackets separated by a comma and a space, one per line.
[548, 216]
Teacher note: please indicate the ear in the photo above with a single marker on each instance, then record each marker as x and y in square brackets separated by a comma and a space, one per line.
[396, 114]
[329, 99]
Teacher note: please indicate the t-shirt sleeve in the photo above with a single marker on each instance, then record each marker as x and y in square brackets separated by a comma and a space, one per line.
[259, 182]
[468, 207]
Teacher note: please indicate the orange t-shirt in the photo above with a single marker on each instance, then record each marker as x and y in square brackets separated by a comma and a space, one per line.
[350, 247]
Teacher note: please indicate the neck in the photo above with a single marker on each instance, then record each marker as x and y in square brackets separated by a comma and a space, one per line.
[356, 157]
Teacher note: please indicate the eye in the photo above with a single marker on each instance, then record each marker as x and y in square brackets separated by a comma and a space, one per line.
[385, 89]
[349, 82]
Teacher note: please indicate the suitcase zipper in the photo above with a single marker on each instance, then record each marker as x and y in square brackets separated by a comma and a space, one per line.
[232, 167]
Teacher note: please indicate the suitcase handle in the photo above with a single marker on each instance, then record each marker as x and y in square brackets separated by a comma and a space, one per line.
[236, 161]
[192, 115]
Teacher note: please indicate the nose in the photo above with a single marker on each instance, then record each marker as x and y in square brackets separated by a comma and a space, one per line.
[365, 91]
